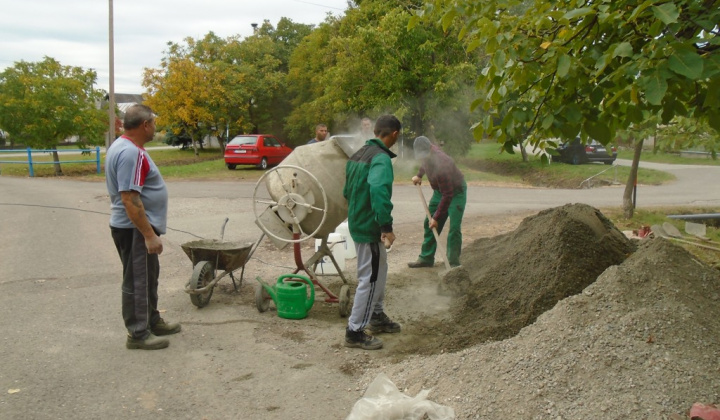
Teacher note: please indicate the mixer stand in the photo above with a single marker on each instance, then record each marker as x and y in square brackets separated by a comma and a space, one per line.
[311, 264]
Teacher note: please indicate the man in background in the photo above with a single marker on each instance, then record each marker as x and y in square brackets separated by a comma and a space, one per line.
[138, 216]
[321, 132]
[448, 201]
[366, 129]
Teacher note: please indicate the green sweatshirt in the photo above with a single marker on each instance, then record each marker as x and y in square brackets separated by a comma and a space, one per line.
[368, 190]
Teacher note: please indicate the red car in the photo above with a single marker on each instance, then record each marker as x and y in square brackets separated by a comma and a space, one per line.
[261, 150]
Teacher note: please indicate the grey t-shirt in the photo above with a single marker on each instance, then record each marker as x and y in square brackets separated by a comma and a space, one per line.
[129, 168]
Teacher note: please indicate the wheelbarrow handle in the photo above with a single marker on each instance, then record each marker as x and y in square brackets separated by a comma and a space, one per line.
[222, 231]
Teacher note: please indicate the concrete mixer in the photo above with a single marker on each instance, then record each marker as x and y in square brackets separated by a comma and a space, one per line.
[306, 201]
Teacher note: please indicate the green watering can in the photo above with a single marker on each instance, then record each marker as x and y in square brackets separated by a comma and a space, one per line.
[290, 295]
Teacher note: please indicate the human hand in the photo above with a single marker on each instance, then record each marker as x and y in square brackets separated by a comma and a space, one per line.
[432, 224]
[416, 180]
[388, 239]
[154, 245]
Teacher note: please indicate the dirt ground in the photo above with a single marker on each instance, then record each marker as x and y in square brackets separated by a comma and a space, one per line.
[558, 316]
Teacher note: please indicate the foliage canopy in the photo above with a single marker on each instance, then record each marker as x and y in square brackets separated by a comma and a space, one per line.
[44, 103]
[559, 68]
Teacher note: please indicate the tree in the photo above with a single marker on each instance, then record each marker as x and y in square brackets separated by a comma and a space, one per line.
[559, 69]
[44, 103]
[184, 92]
[368, 62]
[213, 86]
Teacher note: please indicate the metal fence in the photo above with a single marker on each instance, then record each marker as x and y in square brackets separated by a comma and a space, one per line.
[31, 163]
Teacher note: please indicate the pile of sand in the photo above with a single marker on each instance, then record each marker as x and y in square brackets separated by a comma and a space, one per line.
[642, 340]
[507, 281]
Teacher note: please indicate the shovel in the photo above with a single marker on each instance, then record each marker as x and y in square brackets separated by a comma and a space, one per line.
[454, 281]
[440, 246]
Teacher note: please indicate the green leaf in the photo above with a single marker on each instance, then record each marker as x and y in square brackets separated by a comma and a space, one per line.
[499, 59]
[572, 114]
[583, 11]
[448, 18]
[641, 8]
[655, 88]
[712, 66]
[508, 147]
[547, 121]
[478, 131]
[623, 49]
[714, 120]
[563, 65]
[569, 131]
[598, 131]
[686, 63]
[712, 99]
[667, 12]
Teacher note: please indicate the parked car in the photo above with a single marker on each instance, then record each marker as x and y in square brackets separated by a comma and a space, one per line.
[261, 150]
[575, 152]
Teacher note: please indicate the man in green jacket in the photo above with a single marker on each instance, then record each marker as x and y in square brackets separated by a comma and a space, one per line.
[368, 189]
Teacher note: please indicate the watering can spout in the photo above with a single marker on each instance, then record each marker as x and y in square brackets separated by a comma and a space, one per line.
[268, 289]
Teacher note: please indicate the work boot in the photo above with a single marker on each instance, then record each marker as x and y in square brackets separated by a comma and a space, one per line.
[359, 339]
[419, 264]
[165, 328]
[382, 323]
[151, 342]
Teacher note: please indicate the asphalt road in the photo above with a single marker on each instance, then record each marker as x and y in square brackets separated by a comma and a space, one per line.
[63, 354]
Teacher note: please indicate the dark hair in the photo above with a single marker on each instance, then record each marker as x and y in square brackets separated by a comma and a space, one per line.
[386, 124]
[136, 115]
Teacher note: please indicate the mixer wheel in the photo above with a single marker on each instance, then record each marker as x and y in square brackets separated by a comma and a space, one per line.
[262, 299]
[344, 303]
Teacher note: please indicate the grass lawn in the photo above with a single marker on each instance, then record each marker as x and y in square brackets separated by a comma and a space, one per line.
[482, 164]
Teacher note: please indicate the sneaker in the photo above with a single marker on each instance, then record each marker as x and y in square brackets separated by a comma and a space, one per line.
[151, 342]
[359, 339]
[165, 328]
[382, 323]
[419, 264]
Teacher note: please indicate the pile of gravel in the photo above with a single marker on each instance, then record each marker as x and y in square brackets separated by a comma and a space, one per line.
[642, 340]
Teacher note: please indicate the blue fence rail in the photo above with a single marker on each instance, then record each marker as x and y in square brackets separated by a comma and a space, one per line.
[32, 163]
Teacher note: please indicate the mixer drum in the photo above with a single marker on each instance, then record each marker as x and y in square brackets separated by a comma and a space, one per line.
[326, 161]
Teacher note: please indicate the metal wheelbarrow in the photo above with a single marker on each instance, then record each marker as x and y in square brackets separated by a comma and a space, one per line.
[210, 256]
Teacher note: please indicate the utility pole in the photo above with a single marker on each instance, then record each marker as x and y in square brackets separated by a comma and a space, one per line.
[111, 104]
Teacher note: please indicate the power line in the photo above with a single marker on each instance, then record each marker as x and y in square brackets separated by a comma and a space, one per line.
[319, 5]
[86, 211]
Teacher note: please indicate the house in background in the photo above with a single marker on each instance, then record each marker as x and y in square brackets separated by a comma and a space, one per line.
[123, 101]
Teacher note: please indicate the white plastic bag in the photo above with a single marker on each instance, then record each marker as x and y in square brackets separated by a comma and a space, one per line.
[383, 401]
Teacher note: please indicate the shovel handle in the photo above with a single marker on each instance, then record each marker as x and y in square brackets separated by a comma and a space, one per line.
[440, 246]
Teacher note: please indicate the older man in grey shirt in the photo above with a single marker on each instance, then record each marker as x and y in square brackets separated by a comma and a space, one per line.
[138, 217]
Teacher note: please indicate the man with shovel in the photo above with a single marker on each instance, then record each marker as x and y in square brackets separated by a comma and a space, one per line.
[448, 201]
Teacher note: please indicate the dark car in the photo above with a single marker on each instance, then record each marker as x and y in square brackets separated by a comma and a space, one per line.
[261, 150]
[575, 152]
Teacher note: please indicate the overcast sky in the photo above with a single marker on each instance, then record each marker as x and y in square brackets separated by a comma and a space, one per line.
[76, 32]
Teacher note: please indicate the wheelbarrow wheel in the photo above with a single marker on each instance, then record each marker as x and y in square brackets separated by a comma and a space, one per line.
[202, 276]
[344, 301]
[262, 299]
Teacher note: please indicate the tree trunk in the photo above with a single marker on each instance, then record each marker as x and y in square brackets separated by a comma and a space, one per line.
[628, 204]
[194, 143]
[56, 160]
[523, 152]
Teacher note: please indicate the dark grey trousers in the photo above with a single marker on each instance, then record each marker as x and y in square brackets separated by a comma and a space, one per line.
[140, 282]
